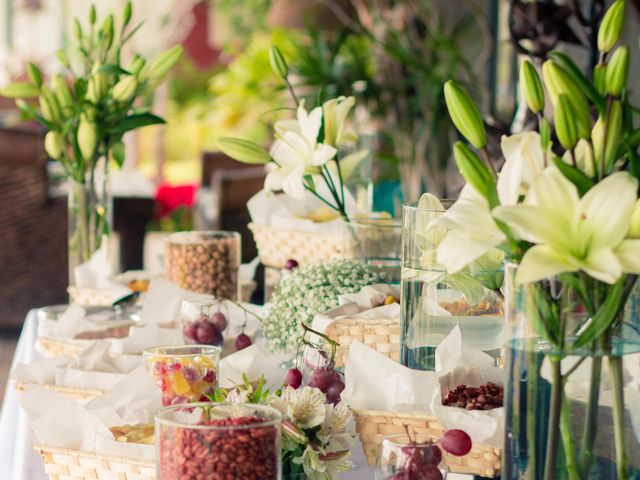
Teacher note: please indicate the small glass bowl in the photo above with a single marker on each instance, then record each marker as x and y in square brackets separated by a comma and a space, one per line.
[398, 455]
[203, 322]
[184, 373]
[217, 440]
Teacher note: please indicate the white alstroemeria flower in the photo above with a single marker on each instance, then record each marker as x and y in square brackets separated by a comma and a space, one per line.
[296, 152]
[573, 233]
[305, 406]
[472, 231]
[584, 157]
[324, 467]
[524, 160]
[333, 432]
[335, 112]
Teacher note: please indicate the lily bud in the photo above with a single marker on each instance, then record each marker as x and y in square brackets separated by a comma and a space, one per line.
[613, 136]
[634, 229]
[471, 167]
[124, 89]
[599, 74]
[62, 92]
[20, 90]
[159, 65]
[531, 87]
[564, 123]
[611, 26]
[77, 29]
[107, 28]
[126, 13]
[35, 75]
[617, 71]
[49, 105]
[92, 14]
[559, 82]
[278, 63]
[64, 59]
[97, 87]
[243, 150]
[465, 114]
[87, 137]
[53, 144]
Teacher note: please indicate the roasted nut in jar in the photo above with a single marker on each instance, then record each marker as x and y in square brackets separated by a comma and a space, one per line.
[204, 262]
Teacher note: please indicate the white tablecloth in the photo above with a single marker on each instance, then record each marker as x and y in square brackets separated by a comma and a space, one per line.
[18, 459]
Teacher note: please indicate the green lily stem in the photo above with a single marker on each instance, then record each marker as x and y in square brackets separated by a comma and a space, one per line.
[487, 159]
[617, 384]
[591, 416]
[554, 420]
[532, 419]
[568, 443]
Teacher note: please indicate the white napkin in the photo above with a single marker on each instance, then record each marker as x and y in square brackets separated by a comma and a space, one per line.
[253, 362]
[97, 273]
[68, 424]
[163, 300]
[143, 337]
[73, 322]
[93, 368]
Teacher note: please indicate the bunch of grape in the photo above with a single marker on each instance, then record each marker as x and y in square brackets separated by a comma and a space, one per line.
[326, 379]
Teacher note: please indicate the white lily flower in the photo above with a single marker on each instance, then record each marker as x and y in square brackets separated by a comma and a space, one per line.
[524, 160]
[335, 112]
[573, 233]
[296, 152]
[472, 231]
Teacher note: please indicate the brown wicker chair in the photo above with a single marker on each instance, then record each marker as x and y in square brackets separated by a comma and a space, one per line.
[33, 229]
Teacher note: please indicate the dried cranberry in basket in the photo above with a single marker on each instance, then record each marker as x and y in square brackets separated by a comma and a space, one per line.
[484, 397]
[202, 454]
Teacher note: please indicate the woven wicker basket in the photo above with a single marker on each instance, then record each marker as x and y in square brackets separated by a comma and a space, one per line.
[92, 297]
[277, 245]
[52, 347]
[373, 425]
[380, 334]
[66, 464]
[83, 395]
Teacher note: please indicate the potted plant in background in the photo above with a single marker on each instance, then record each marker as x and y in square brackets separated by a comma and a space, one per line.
[567, 212]
[87, 109]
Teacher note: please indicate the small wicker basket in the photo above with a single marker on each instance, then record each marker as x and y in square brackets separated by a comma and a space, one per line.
[277, 245]
[83, 395]
[52, 347]
[380, 334]
[373, 425]
[67, 464]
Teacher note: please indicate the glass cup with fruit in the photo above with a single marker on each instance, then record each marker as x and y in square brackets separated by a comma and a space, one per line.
[203, 322]
[408, 456]
[184, 373]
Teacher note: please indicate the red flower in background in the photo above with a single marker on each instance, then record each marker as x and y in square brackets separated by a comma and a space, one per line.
[169, 198]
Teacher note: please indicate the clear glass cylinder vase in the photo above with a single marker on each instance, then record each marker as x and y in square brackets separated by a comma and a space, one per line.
[89, 208]
[376, 241]
[572, 410]
[435, 302]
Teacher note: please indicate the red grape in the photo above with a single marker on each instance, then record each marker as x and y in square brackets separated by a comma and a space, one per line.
[321, 378]
[291, 264]
[218, 339]
[219, 320]
[432, 455]
[206, 333]
[190, 332]
[335, 389]
[243, 341]
[456, 442]
[293, 378]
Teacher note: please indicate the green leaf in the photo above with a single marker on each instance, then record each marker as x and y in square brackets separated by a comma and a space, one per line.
[118, 152]
[574, 72]
[633, 140]
[135, 121]
[80, 87]
[575, 176]
[243, 150]
[114, 69]
[604, 317]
